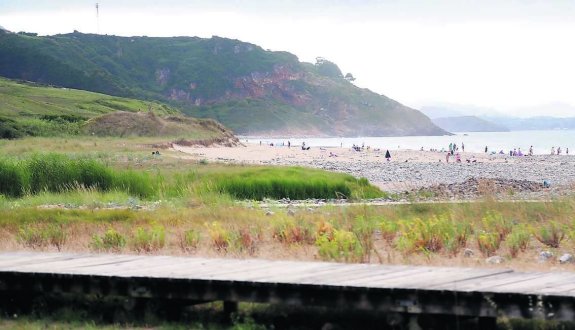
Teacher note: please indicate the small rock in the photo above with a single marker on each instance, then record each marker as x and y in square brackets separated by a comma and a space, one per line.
[269, 213]
[468, 253]
[566, 258]
[545, 255]
[290, 212]
[494, 260]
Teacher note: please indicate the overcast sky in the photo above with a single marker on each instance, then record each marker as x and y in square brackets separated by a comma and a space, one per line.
[513, 56]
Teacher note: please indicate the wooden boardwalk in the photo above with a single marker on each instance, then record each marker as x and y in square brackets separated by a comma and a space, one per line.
[485, 293]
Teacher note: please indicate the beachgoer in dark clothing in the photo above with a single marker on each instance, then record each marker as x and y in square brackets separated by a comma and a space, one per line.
[387, 155]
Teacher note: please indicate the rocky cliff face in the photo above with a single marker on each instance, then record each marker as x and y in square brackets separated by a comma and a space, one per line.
[248, 89]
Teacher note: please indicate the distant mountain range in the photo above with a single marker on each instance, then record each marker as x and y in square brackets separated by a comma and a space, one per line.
[534, 123]
[468, 124]
[248, 89]
[456, 118]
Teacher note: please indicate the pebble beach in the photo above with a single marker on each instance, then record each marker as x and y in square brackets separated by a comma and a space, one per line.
[410, 170]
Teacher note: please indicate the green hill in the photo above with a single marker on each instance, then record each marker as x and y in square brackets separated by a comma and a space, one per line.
[248, 89]
[28, 109]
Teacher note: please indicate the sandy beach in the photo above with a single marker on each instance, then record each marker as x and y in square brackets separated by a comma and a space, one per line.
[407, 170]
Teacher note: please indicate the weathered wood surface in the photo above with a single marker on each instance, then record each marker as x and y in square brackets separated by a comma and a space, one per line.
[442, 290]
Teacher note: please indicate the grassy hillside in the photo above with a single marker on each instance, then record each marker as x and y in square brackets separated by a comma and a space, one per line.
[251, 90]
[27, 109]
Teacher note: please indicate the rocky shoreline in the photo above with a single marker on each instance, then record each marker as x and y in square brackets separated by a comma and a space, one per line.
[520, 179]
[424, 174]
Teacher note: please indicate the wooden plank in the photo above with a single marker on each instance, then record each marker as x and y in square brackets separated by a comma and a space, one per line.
[343, 277]
[479, 277]
[203, 269]
[27, 259]
[307, 276]
[119, 266]
[48, 264]
[427, 278]
[378, 281]
[536, 285]
[140, 266]
[277, 270]
[65, 262]
[285, 274]
[493, 281]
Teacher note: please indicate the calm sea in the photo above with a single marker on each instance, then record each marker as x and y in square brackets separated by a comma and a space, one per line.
[542, 141]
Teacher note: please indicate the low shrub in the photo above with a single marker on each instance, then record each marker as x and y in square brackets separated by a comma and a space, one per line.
[31, 236]
[37, 236]
[363, 228]
[219, 236]
[488, 243]
[550, 234]
[189, 240]
[149, 240]
[389, 230]
[56, 235]
[517, 241]
[244, 240]
[289, 231]
[111, 240]
[497, 223]
[344, 246]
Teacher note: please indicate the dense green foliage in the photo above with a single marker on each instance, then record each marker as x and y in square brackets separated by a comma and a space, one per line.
[327, 68]
[248, 89]
[130, 66]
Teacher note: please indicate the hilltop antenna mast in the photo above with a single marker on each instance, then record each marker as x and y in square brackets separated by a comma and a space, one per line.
[97, 18]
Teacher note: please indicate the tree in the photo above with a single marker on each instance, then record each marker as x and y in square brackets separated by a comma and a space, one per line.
[327, 68]
[349, 77]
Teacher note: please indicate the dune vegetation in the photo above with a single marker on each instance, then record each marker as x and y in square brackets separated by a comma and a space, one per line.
[114, 195]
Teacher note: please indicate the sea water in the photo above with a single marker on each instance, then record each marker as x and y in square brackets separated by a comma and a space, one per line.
[542, 141]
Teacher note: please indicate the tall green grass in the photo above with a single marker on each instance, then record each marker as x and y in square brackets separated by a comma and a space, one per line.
[258, 183]
[59, 173]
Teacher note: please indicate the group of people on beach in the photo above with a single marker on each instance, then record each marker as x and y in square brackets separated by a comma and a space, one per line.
[559, 151]
[454, 151]
[453, 148]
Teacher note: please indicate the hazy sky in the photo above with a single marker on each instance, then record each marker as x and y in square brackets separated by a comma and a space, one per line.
[499, 54]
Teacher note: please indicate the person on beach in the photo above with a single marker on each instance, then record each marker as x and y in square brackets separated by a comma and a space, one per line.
[559, 150]
[457, 158]
[387, 155]
[485, 149]
[553, 150]
[531, 151]
[567, 151]
[447, 157]
[289, 144]
[462, 147]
